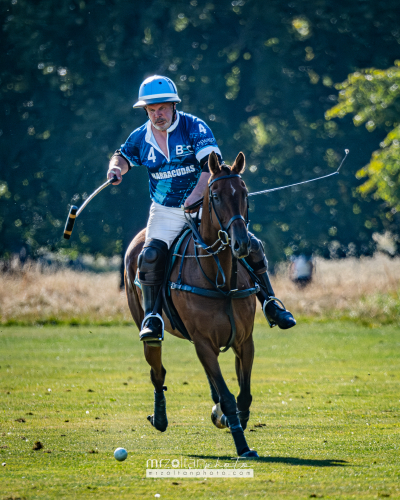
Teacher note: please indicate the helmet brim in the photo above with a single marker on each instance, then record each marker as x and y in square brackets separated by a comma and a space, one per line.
[156, 100]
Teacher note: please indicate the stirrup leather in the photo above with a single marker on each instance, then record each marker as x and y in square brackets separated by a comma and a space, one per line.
[266, 302]
[152, 315]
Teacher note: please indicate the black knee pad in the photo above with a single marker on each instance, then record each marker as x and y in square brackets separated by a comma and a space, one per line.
[256, 258]
[151, 262]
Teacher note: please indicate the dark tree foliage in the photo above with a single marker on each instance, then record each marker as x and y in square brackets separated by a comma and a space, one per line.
[261, 74]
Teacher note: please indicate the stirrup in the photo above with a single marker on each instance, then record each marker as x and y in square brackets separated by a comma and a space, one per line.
[152, 315]
[266, 302]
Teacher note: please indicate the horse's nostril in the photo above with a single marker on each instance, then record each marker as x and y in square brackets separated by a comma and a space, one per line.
[236, 246]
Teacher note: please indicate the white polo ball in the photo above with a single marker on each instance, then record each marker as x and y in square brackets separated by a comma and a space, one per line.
[120, 454]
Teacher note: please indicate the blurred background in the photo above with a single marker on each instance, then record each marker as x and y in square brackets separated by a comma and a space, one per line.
[289, 83]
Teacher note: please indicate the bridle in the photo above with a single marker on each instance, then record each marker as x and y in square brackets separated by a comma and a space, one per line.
[224, 230]
[223, 236]
[216, 290]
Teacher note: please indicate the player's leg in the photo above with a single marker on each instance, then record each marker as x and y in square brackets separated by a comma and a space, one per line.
[274, 311]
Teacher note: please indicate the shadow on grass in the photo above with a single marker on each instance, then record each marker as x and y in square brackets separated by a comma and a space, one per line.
[284, 460]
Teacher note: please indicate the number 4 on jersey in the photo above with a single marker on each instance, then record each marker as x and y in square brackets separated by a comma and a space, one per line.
[202, 129]
[152, 156]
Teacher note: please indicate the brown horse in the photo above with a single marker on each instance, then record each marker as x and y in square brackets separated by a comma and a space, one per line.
[206, 319]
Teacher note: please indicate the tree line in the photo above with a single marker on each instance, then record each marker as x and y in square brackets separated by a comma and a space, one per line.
[292, 85]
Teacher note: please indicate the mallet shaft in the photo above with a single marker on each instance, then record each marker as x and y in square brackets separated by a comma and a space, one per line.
[74, 211]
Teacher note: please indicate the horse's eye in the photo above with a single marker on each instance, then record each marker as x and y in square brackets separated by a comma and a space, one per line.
[215, 196]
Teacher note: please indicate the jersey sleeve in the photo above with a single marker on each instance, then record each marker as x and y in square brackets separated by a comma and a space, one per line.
[202, 139]
[131, 150]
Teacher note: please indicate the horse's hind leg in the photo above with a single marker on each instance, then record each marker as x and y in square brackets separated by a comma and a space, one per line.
[243, 365]
[210, 363]
[157, 375]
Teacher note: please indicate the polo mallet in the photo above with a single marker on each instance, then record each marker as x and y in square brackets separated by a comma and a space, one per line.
[74, 211]
[304, 182]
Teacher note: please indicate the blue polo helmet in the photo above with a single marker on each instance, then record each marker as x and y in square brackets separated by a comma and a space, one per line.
[156, 89]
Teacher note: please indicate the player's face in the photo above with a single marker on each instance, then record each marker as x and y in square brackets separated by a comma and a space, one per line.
[161, 115]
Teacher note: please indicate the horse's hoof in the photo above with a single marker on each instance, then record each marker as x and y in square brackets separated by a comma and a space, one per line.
[160, 426]
[244, 418]
[218, 418]
[250, 454]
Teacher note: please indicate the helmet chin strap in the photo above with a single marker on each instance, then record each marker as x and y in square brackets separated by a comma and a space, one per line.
[174, 112]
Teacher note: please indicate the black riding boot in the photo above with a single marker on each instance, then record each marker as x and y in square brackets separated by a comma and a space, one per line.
[151, 274]
[273, 309]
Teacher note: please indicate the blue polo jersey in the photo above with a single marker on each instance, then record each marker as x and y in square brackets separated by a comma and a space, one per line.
[171, 179]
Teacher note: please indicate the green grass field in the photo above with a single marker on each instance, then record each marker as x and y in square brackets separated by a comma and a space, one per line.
[328, 395]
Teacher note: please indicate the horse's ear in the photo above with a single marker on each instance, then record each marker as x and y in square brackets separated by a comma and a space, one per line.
[213, 163]
[239, 164]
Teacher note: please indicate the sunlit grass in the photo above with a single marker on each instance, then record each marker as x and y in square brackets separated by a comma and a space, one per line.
[328, 395]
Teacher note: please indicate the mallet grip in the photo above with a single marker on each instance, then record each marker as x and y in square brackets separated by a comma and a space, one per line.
[70, 222]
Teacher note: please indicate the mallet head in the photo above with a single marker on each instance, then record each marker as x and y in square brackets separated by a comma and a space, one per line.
[70, 222]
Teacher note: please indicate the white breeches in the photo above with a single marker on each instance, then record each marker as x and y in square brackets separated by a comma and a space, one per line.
[164, 223]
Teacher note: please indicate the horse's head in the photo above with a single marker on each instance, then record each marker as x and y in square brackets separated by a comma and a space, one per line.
[228, 202]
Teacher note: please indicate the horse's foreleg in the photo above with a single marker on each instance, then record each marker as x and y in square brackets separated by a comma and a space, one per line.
[243, 365]
[209, 360]
[217, 416]
[214, 393]
[157, 375]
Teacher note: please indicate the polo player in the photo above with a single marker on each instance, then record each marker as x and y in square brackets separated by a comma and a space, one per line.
[174, 147]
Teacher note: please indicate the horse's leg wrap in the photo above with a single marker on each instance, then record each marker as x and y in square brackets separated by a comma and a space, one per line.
[159, 419]
[237, 434]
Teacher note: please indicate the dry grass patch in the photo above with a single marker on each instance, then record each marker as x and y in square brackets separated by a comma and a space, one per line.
[364, 289]
[35, 294]
[358, 288]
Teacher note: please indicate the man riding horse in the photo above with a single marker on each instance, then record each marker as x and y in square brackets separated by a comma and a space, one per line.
[175, 147]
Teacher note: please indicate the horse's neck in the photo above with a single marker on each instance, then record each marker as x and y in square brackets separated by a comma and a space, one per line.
[210, 235]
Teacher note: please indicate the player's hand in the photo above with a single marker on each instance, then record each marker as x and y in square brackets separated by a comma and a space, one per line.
[192, 210]
[115, 172]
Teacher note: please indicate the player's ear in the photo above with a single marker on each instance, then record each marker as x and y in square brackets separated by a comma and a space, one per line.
[239, 164]
[213, 163]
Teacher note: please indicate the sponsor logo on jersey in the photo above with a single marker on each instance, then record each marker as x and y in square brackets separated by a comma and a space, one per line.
[184, 150]
[203, 142]
[174, 173]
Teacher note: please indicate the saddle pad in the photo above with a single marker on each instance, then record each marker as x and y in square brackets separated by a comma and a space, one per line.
[168, 306]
